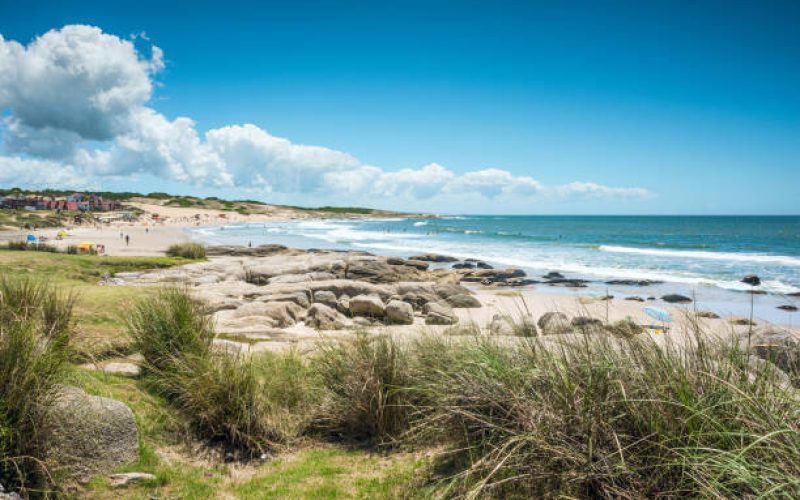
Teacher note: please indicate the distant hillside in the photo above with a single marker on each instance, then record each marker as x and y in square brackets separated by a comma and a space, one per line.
[136, 201]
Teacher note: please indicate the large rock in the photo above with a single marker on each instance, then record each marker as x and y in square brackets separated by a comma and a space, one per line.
[89, 435]
[492, 275]
[275, 314]
[462, 300]
[634, 282]
[400, 312]
[554, 323]
[379, 270]
[780, 346]
[259, 251]
[367, 305]
[432, 257]
[437, 313]
[322, 317]
[325, 297]
[675, 298]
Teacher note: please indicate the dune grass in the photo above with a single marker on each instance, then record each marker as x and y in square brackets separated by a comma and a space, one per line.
[226, 397]
[600, 417]
[35, 330]
[194, 251]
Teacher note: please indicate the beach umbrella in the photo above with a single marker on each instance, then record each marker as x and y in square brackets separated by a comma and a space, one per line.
[658, 313]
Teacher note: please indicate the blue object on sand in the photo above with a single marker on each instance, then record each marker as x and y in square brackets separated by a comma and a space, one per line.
[659, 314]
[31, 237]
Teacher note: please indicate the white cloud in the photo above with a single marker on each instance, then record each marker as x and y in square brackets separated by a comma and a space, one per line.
[80, 96]
[599, 191]
[41, 174]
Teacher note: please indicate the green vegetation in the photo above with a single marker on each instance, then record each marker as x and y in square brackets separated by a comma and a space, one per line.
[193, 251]
[98, 309]
[340, 210]
[39, 218]
[219, 394]
[35, 330]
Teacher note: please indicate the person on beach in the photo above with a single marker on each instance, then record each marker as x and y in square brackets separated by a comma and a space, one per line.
[127, 240]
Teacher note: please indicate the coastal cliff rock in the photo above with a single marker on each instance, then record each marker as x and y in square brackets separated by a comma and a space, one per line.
[90, 435]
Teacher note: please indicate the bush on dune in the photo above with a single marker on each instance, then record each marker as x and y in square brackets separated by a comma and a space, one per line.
[35, 330]
[194, 251]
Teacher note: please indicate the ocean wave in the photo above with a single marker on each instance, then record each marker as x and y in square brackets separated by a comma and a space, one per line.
[783, 260]
[421, 223]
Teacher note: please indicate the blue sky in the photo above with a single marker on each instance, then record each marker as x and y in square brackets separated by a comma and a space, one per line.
[669, 107]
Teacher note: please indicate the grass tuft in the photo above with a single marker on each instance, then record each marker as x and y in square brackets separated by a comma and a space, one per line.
[194, 251]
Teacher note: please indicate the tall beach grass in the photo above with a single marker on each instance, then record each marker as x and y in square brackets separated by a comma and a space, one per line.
[35, 331]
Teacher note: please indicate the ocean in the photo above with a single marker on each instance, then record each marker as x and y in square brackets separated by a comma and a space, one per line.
[703, 256]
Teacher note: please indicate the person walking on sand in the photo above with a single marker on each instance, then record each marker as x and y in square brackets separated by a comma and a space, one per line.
[127, 240]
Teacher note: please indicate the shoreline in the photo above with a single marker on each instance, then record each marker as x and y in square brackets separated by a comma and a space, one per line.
[150, 238]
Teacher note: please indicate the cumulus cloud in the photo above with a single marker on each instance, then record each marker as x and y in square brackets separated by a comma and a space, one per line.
[79, 102]
[41, 174]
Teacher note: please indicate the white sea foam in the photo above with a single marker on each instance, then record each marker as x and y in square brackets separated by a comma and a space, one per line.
[783, 260]
[674, 266]
[421, 223]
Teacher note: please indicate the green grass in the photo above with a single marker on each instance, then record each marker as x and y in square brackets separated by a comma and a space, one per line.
[38, 218]
[99, 310]
[332, 473]
[68, 269]
[192, 251]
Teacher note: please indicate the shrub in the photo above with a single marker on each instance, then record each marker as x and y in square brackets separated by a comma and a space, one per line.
[35, 329]
[187, 250]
